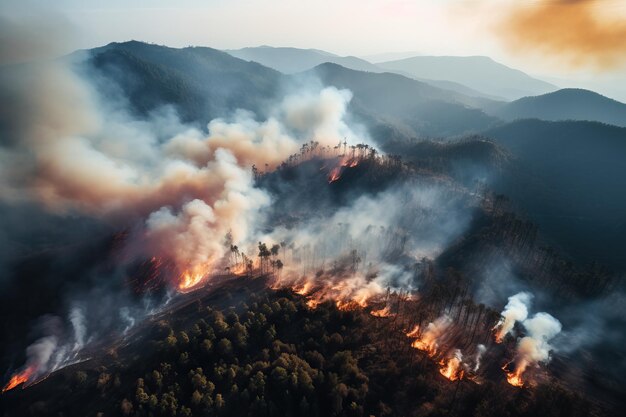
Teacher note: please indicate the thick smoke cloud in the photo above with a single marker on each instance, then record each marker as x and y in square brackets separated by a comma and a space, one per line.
[71, 151]
[582, 33]
[373, 243]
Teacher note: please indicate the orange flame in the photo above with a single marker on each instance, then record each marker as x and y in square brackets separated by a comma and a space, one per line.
[239, 269]
[515, 377]
[193, 277]
[19, 378]
[302, 290]
[452, 369]
[499, 333]
[383, 312]
[427, 340]
[414, 332]
[335, 173]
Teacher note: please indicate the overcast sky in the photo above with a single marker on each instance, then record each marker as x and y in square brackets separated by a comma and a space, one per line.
[584, 40]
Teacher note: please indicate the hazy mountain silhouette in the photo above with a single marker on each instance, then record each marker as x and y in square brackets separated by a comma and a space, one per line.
[476, 72]
[292, 60]
[204, 83]
[566, 104]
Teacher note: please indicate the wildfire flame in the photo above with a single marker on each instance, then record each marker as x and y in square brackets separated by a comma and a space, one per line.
[335, 173]
[427, 340]
[304, 289]
[19, 378]
[452, 368]
[192, 277]
[515, 377]
[383, 312]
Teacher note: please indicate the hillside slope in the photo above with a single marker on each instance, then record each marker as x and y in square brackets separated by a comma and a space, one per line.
[566, 104]
[202, 83]
[568, 179]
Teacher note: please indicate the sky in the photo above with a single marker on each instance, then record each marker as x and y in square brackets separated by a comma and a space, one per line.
[568, 42]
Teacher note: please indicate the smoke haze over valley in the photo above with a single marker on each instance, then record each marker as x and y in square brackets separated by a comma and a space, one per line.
[232, 229]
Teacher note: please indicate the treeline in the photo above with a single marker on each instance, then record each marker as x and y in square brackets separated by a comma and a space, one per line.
[535, 259]
[313, 150]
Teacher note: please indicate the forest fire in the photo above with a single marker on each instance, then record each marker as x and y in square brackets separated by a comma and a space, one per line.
[453, 367]
[383, 312]
[336, 172]
[427, 340]
[304, 289]
[192, 277]
[19, 378]
[514, 377]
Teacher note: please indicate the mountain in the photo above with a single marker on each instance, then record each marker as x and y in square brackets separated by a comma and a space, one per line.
[202, 83]
[568, 178]
[292, 60]
[476, 72]
[566, 104]
[389, 56]
[392, 101]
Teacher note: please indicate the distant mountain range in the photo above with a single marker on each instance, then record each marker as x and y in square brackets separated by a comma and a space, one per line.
[566, 104]
[477, 72]
[293, 60]
[204, 83]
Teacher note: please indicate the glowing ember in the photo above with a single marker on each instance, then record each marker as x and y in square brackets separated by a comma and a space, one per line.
[414, 332]
[335, 173]
[19, 378]
[383, 312]
[191, 278]
[312, 303]
[304, 289]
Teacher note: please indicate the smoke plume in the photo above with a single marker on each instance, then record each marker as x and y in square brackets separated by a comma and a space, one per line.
[535, 347]
[516, 310]
[583, 33]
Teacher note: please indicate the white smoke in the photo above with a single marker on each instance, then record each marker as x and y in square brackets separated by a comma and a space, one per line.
[373, 243]
[77, 318]
[535, 347]
[515, 310]
[40, 352]
[127, 318]
[480, 351]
